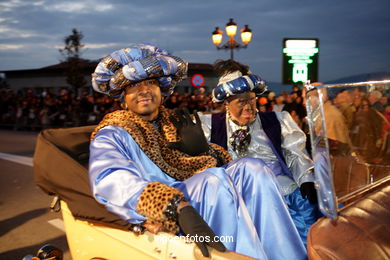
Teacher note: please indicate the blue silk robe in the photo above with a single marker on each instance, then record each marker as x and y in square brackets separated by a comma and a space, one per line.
[240, 199]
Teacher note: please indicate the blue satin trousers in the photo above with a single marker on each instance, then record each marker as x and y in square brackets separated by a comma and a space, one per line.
[242, 200]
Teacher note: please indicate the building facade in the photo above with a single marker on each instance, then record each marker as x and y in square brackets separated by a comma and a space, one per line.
[54, 77]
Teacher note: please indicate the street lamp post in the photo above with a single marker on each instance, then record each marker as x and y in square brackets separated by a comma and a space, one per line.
[231, 30]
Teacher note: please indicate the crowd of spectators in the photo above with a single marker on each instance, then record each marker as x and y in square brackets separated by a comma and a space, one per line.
[27, 110]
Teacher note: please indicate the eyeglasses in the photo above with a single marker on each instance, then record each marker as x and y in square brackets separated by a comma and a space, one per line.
[364, 105]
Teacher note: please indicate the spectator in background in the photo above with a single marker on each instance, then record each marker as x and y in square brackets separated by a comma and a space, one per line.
[296, 118]
[21, 115]
[386, 126]
[262, 104]
[279, 104]
[336, 127]
[374, 98]
[300, 109]
[296, 91]
[289, 104]
[284, 94]
[343, 101]
[172, 102]
[201, 94]
[357, 99]
[215, 107]
[367, 131]
[86, 107]
[271, 96]
[7, 106]
[271, 102]
[384, 101]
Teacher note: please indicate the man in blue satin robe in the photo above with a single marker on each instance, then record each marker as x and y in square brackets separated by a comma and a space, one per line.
[152, 167]
[273, 137]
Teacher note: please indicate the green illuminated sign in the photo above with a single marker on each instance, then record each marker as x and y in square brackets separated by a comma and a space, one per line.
[300, 60]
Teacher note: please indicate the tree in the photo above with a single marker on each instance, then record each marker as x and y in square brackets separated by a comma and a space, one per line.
[72, 52]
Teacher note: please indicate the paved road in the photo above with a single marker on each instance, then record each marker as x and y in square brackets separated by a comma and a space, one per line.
[24, 214]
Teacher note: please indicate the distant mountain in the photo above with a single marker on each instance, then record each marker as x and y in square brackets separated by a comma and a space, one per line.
[278, 88]
[362, 77]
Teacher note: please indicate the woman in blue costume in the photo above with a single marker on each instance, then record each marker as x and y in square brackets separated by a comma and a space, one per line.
[145, 166]
[273, 137]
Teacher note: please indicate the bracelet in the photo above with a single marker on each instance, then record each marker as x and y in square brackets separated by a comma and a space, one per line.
[171, 210]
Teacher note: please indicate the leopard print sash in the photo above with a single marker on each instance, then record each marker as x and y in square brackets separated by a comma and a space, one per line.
[155, 144]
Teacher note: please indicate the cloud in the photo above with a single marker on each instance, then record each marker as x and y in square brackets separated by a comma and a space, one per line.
[100, 45]
[10, 5]
[80, 7]
[7, 32]
[354, 34]
[5, 47]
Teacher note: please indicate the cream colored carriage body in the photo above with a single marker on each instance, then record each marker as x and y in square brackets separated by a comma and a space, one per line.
[60, 160]
[87, 240]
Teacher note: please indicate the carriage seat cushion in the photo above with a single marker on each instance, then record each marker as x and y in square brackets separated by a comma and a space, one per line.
[362, 230]
[74, 141]
[60, 168]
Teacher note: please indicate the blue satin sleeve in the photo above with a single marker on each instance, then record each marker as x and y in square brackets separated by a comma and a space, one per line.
[119, 171]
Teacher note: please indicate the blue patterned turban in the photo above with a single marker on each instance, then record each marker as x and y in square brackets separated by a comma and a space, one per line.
[136, 63]
[234, 83]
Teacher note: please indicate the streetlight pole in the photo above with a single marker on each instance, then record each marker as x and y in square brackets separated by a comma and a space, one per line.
[231, 40]
[231, 29]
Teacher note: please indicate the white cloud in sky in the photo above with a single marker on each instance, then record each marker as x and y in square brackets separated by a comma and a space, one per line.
[7, 32]
[39, 3]
[100, 45]
[7, 47]
[79, 7]
[9, 5]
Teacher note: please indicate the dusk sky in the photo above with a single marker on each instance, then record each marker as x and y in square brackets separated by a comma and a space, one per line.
[354, 34]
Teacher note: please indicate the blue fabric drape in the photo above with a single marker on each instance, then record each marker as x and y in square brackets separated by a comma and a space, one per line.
[240, 199]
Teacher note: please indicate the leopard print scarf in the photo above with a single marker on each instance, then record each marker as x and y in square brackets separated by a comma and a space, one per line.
[155, 144]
